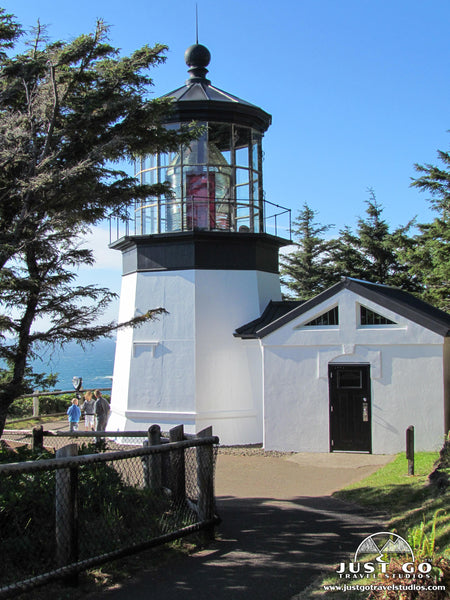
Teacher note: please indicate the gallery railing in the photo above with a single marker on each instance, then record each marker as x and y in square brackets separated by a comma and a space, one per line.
[171, 215]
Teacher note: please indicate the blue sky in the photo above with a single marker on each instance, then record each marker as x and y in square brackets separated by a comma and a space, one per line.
[358, 90]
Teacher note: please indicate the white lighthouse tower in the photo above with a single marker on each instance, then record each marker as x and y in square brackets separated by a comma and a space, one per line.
[208, 257]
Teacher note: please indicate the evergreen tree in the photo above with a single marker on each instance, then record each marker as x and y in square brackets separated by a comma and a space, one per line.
[69, 113]
[305, 271]
[374, 253]
[430, 257]
[346, 257]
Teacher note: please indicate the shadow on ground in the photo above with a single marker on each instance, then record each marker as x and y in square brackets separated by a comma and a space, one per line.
[266, 550]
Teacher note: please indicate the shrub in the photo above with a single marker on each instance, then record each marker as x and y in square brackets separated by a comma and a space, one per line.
[26, 509]
[54, 404]
[23, 407]
[440, 575]
[112, 513]
[444, 454]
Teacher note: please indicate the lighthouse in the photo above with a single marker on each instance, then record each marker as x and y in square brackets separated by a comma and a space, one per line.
[208, 255]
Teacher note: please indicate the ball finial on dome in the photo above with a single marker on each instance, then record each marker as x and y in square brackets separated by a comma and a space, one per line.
[197, 58]
[197, 55]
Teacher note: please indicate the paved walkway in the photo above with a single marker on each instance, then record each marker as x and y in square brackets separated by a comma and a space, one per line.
[280, 529]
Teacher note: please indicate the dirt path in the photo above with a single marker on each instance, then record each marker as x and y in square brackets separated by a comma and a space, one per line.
[291, 475]
[280, 530]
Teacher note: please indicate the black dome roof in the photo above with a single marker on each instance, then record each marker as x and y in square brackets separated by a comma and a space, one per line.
[198, 100]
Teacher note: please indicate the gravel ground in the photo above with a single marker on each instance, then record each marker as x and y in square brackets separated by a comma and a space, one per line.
[251, 450]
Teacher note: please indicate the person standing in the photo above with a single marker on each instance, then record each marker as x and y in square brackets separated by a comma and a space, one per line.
[74, 414]
[89, 411]
[101, 410]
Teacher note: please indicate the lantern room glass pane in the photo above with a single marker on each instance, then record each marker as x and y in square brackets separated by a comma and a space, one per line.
[242, 143]
[164, 160]
[146, 162]
[197, 152]
[256, 219]
[149, 177]
[150, 220]
[242, 192]
[255, 186]
[256, 139]
[173, 216]
[242, 176]
[219, 134]
[222, 172]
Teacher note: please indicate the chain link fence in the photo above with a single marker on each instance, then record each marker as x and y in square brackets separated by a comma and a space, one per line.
[95, 502]
[59, 435]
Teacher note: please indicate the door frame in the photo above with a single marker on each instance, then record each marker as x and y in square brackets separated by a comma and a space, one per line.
[333, 368]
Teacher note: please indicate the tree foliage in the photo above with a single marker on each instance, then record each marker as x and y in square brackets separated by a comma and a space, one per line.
[305, 271]
[374, 252]
[70, 112]
[430, 257]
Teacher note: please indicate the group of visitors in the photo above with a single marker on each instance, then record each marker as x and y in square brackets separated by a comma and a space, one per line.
[96, 412]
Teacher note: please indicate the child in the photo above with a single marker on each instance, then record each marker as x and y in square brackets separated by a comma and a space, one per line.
[74, 413]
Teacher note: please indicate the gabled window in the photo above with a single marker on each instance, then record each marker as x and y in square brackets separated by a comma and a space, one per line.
[328, 318]
[370, 317]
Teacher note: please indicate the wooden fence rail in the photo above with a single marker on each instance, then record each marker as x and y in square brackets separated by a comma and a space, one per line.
[164, 472]
[37, 394]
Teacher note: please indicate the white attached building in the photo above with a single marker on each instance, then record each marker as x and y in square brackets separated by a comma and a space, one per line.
[351, 369]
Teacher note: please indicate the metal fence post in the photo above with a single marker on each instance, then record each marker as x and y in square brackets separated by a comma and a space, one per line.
[177, 466]
[410, 449]
[205, 481]
[66, 513]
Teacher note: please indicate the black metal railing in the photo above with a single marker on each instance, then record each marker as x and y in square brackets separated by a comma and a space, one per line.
[171, 215]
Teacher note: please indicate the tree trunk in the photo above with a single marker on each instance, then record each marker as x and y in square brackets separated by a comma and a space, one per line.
[4, 405]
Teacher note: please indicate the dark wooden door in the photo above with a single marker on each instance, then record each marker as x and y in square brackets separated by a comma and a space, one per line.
[350, 408]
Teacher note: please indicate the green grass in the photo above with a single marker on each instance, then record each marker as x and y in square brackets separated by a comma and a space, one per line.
[390, 489]
[415, 510]
[29, 423]
[408, 501]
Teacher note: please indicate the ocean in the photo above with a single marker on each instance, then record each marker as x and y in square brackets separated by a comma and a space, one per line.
[94, 364]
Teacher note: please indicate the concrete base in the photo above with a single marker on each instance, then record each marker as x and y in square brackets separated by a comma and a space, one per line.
[231, 429]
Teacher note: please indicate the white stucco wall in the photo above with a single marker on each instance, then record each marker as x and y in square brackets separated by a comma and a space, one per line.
[407, 379]
[228, 373]
[124, 350]
[154, 375]
[186, 367]
[410, 392]
[295, 400]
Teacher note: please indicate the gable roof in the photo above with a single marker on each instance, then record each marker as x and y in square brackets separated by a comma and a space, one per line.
[394, 299]
[272, 312]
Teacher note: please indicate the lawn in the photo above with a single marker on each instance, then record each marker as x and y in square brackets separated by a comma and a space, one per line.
[415, 510]
[29, 422]
[408, 501]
